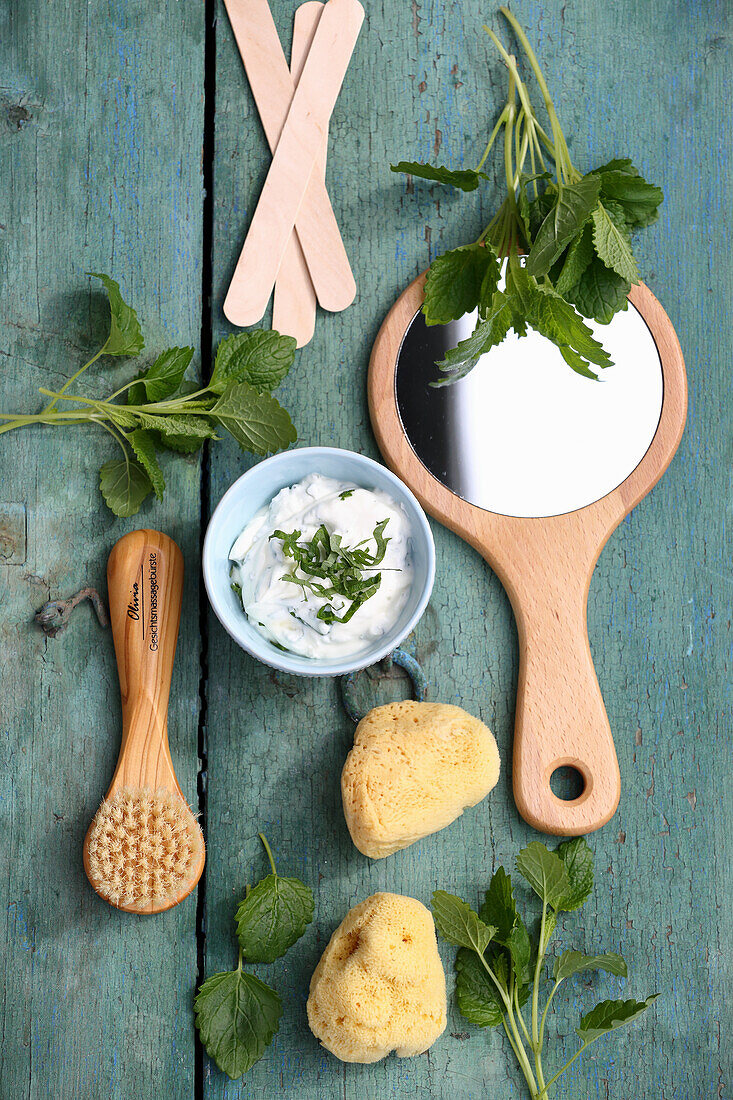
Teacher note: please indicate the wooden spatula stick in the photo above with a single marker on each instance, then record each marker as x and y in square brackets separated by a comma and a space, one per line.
[273, 87]
[292, 166]
[294, 306]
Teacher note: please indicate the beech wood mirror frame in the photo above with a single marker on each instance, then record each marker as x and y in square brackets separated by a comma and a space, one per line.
[545, 565]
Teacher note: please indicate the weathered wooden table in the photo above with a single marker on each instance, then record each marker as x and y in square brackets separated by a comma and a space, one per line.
[130, 144]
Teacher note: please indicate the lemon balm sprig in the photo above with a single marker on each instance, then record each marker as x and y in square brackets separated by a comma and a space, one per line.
[562, 239]
[164, 411]
[500, 971]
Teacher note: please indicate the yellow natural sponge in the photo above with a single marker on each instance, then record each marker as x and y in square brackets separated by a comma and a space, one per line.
[379, 986]
[413, 769]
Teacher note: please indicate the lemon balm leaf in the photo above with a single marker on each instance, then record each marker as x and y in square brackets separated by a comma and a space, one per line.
[125, 336]
[489, 332]
[575, 962]
[499, 907]
[124, 485]
[261, 357]
[459, 924]
[457, 281]
[545, 872]
[463, 179]
[237, 1017]
[599, 292]
[476, 995]
[273, 917]
[612, 242]
[567, 216]
[577, 858]
[162, 379]
[143, 445]
[256, 420]
[609, 1015]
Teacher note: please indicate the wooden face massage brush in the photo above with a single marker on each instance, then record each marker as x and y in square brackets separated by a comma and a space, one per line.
[144, 850]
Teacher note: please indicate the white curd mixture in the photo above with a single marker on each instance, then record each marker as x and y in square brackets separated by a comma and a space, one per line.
[345, 544]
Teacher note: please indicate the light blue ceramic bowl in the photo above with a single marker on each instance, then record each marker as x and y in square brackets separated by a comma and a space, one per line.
[255, 489]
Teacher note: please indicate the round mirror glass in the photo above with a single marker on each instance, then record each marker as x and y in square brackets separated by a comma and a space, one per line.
[523, 434]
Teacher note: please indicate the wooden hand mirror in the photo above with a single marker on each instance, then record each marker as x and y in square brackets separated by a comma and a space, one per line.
[535, 466]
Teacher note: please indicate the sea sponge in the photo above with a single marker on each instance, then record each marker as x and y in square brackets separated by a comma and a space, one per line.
[413, 769]
[379, 986]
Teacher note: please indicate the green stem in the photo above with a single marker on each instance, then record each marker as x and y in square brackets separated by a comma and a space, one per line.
[543, 1091]
[524, 1066]
[73, 378]
[518, 139]
[538, 1069]
[117, 435]
[522, 1053]
[537, 1043]
[544, 1014]
[508, 139]
[122, 389]
[544, 138]
[517, 1044]
[520, 1017]
[269, 852]
[510, 1037]
[536, 983]
[562, 161]
[511, 64]
[239, 962]
[71, 397]
[182, 400]
[499, 123]
[521, 156]
[44, 418]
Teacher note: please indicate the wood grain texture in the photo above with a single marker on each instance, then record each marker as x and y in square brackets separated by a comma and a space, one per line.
[646, 80]
[100, 137]
[546, 566]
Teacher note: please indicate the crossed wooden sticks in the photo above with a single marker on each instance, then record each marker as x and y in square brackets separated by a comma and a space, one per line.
[293, 243]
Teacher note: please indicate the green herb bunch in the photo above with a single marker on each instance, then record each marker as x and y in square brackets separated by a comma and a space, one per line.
[575, 231]
[499, 970]
[162, 410]
[236, 1014]
[342, 567]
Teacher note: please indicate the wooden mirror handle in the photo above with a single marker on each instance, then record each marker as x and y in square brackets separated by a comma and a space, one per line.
[145, 588]
[560, 719]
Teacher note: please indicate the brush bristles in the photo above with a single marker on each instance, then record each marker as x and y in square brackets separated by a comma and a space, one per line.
[144, 847]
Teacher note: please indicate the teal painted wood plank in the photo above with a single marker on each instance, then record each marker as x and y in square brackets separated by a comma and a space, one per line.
[646, 80]
[98, 1004]
[100, 145]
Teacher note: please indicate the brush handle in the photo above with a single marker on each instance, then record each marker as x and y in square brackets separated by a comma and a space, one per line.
[145, 589]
